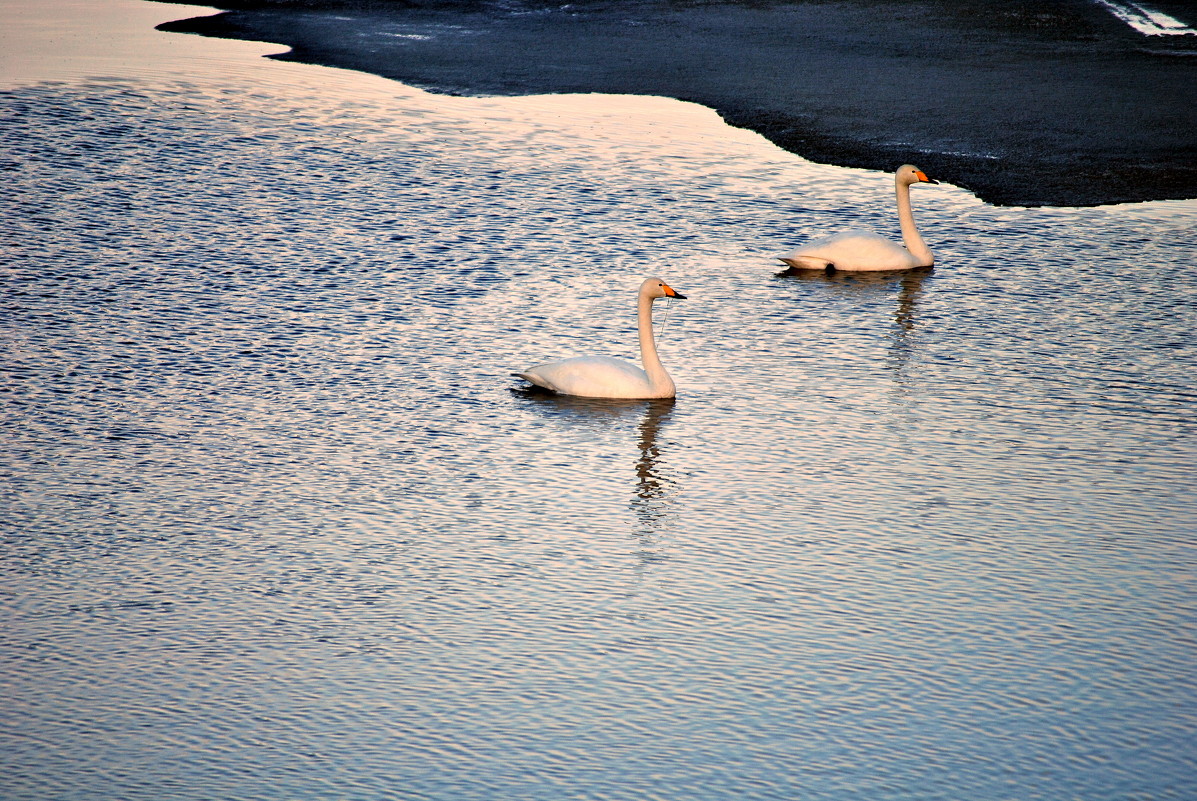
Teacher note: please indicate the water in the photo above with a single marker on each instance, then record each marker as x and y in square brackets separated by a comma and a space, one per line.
[279, 523]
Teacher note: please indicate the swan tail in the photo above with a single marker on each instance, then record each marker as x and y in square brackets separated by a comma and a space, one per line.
[798, 262]
[536, 380]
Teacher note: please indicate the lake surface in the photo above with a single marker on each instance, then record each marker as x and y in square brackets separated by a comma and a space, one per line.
[278, 522]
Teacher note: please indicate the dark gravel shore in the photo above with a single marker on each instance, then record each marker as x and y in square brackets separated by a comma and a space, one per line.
[1024, 103]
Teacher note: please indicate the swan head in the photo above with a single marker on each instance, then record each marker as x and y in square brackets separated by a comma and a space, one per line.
[656, 288]
[909, 174]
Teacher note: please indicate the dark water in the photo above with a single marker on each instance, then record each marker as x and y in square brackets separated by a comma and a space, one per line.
[279, 524]
[1024, 103]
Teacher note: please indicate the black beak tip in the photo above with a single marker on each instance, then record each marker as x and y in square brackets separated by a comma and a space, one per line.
[678, 295]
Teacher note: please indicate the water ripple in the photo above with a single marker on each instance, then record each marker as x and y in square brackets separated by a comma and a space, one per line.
[279, 522]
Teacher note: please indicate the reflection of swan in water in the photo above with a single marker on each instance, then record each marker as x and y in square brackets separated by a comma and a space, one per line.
[910, 288]
[654, 490]
[603, 377]
[859, 250]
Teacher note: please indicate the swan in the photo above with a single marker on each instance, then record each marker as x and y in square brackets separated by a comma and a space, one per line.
[603, 377]
[858, 250]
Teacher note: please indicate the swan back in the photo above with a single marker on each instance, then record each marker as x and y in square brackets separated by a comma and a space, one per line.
[854, 250]
[592, 377]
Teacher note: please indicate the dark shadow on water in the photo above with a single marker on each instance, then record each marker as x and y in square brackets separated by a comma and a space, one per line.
[654, 490]
[584, 410]
[861, 280]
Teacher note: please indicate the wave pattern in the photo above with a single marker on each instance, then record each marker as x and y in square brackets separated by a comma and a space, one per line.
[278, 526]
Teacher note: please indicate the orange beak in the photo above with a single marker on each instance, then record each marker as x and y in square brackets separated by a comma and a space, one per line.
[670, 293]
[922, 176]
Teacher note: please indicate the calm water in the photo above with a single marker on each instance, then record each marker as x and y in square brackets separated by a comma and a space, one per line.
[278, 523]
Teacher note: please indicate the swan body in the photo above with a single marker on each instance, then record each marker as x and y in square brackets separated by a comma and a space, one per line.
[858, 250]
[604, 377]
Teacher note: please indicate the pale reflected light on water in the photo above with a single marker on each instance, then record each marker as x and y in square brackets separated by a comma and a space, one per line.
[654, 488]
[279, 523]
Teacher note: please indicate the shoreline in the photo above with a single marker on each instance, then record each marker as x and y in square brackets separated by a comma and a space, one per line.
[1020, 105]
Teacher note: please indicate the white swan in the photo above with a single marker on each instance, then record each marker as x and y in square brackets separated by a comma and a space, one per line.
[603, 377]
[858, 250]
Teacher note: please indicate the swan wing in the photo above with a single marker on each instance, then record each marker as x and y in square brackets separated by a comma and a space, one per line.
[852, 250]
[591, 377]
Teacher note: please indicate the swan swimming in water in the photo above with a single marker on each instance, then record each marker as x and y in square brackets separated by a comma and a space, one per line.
[858, 250]
[603, 377]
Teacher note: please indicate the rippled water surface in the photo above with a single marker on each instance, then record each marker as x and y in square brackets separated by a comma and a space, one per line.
[278, 522]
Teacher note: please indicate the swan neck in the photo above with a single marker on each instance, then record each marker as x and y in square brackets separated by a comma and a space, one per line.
[910, 232]
[657, 377]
